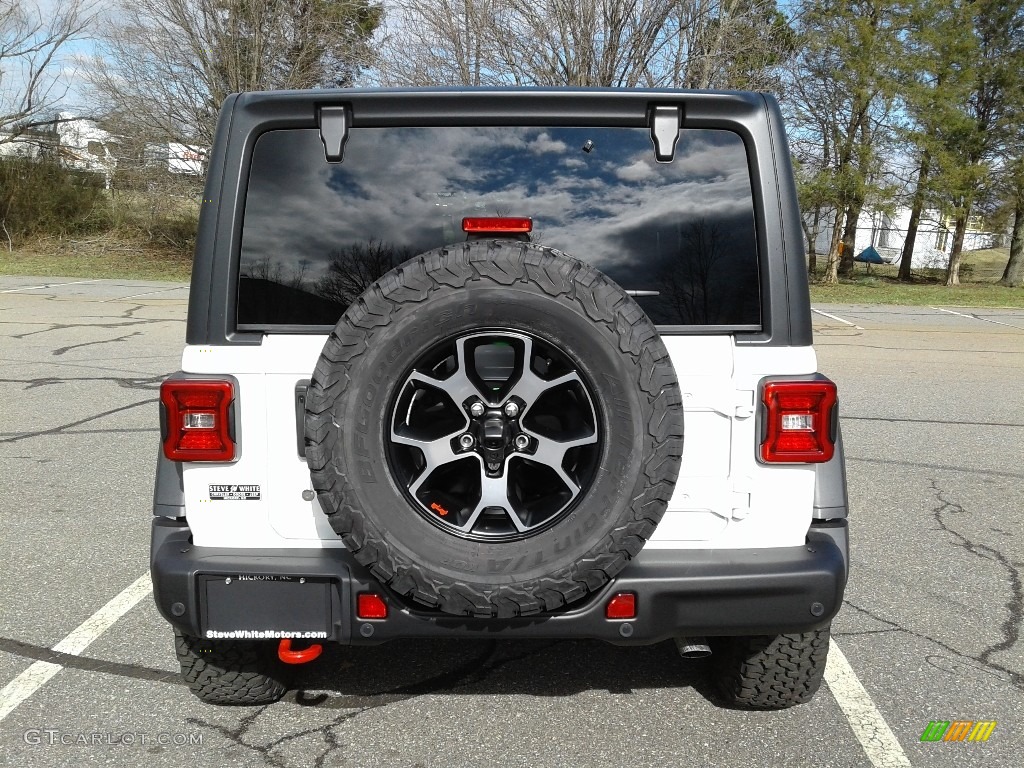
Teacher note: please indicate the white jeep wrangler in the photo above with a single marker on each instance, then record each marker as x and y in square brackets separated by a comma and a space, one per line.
[441, 349]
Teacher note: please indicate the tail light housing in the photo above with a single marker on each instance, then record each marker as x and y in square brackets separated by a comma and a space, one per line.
[197, 419]
[798, 421]
[497, 225]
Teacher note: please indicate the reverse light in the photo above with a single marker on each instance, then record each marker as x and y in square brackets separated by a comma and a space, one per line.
[197, 420]
[621, 606]
[798, 421]
[370, 606]
[498, 225]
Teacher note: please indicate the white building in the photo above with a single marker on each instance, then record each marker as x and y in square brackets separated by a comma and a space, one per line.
[82, 144]
[180, 158]
[888, 234]
[28, 144]
[17, 147]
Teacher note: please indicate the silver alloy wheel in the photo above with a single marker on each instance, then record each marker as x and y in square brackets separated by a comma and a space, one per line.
[510, 469]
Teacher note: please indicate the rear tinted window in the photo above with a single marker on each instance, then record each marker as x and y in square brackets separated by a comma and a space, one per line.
[316, 235]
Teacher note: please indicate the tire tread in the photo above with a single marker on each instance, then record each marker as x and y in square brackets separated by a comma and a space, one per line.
[230, 672]
[771, 672]
[557, 275]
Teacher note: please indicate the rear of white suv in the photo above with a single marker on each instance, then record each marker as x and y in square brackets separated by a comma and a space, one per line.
[413, 404]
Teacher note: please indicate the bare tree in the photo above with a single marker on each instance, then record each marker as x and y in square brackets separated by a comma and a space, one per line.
[611, 43]
[354, 269]
[439, 42]
[167, 65]
[564, 42]
[32, 42]
[686, 281]
[726, 44]
[817, 201]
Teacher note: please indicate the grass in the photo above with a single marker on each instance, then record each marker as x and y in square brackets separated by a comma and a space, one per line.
[103, 256]
[884, 291]
[108, 256]
[979, 272]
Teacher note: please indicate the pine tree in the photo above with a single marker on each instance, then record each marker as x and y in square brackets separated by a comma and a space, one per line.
[938, 73]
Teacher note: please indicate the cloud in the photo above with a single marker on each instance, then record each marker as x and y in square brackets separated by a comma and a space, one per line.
[639, 170]
[544, 143]
[410, 187]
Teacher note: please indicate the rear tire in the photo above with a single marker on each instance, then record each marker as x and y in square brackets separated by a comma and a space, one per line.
[483, 528]
[231, 672]
[770, 672]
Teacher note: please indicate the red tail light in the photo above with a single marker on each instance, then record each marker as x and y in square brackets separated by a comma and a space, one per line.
[198, 420]
[370, 606]
[499, 225]
[798, 421]
[621, 606]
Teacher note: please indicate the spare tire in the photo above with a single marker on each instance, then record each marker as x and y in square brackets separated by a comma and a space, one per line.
[494, 429]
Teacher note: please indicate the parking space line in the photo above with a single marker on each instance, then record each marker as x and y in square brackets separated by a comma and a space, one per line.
[137, 295]
[49, 285]
[975, 317]
[833, 317]
[873, 733]
[36, 676]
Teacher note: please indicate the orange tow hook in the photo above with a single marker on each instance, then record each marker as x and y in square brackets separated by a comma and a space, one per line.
[288, 656]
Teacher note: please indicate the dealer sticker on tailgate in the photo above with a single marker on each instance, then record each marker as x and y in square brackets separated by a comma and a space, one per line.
[234, 493]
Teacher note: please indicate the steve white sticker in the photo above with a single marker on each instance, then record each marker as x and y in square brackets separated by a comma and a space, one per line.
[234, 493]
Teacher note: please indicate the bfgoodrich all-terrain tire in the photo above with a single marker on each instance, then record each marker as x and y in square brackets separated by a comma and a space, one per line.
[232, 672]
[494, 429]
[770, 672]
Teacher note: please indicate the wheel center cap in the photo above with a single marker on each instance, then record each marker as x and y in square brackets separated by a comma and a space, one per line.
[495, 437]
[495, 433]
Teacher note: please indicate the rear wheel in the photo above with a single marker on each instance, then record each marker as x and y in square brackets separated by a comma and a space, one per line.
[770, 672]
[501, 469]
[233, 672]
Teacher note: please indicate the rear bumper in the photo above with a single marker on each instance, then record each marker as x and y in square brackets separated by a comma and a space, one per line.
[312, 593]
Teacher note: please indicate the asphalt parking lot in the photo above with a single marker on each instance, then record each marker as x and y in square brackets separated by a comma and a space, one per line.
[933, 420]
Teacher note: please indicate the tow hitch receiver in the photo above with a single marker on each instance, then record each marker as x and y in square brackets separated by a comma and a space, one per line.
[288, 656]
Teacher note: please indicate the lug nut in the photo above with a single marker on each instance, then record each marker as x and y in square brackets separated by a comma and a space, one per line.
[511, 410]
[476, 409]
[466, 441]
[522, 441]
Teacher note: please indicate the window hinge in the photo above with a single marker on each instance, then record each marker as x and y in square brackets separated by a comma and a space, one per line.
[334, 126]
[665, 124]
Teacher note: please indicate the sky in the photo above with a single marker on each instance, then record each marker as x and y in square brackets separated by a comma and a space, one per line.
[407, 190]
[67, 81]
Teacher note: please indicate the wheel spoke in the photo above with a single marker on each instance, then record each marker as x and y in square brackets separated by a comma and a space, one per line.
[436, 453]
[530, 386]
[493, 493]
[551, 453]
[458, 386]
